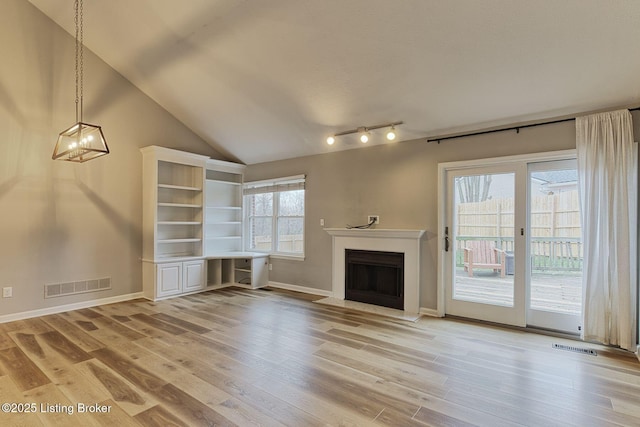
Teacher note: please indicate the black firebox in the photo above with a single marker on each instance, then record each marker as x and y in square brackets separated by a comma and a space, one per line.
[375, 277]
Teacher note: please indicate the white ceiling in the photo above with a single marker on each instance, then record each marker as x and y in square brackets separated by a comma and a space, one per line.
[263, 80]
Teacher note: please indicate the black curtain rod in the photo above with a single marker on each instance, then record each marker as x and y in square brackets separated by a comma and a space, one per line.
[516, 128]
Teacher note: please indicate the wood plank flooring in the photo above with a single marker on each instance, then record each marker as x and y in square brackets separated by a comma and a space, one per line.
[274, 358]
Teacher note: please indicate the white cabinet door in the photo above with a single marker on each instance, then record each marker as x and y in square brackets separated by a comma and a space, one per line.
[260, 272]
[169, 279]
[194, 277]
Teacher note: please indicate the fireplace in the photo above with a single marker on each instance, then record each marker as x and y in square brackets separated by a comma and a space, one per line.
[375, 277]
[405, 242]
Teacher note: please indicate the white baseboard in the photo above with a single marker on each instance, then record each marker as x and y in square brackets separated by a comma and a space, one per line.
[68, 307]
[429, 312]
[303, 289]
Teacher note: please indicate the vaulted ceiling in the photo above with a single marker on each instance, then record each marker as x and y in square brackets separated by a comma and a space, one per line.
[263, 80]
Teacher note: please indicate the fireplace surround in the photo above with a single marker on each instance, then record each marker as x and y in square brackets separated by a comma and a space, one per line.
[407, 242]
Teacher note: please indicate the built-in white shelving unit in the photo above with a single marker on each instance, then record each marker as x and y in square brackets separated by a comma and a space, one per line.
[173, 222]
[223, 210]
[173, 187]
[192, 225]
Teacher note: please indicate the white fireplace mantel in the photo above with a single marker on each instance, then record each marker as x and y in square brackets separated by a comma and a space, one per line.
[387, 240]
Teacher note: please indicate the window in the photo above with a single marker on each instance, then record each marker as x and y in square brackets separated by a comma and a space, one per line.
[274, 213]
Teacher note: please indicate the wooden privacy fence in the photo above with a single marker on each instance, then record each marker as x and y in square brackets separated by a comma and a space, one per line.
[554, 226]
[287, 243]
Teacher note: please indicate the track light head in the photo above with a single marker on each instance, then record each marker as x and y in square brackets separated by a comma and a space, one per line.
[364, 137]
[391, 135]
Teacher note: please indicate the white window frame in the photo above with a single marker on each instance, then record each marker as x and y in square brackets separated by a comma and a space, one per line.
[276, 187]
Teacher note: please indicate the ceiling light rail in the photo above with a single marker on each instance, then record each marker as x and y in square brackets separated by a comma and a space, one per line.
[516, 128]
[365, 134]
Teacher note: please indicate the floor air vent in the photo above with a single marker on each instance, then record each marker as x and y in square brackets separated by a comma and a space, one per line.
[53, 290]
[576, 349]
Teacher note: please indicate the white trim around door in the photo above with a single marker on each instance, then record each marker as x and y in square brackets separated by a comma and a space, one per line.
[498, 163]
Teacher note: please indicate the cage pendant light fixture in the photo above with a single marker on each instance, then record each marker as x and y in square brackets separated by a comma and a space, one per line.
[82, 141]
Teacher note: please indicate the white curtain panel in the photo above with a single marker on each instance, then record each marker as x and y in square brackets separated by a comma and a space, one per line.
[607, 178]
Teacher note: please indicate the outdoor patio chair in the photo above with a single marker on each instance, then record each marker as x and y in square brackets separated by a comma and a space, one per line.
[484, 255]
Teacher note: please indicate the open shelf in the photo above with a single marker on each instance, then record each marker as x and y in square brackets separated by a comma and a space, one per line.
[245, 268]
[223, 208]
[179, 187]
[223, 194]
[227, 174]
[186, 240]
[179, 222]
[217, 181]
[178, 175]
[180, 205]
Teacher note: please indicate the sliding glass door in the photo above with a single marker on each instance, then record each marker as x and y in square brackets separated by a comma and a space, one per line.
[484, 281]
[555, 247]
[512, 251]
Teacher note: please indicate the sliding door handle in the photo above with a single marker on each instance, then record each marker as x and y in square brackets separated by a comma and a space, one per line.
[446, 239]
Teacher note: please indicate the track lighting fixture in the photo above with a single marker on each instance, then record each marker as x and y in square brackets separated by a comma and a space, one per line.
[365, 134]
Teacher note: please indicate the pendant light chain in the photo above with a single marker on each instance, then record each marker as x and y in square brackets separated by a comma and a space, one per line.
[79, 59]
[76, 10]
[79, 18]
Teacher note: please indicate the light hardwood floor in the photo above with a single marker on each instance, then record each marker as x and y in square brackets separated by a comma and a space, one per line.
[242, 357]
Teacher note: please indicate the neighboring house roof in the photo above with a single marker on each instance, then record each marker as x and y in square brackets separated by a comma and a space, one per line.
[556, 177]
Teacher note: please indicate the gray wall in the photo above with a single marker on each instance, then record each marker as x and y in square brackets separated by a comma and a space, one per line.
[398, 181]
[62, 221]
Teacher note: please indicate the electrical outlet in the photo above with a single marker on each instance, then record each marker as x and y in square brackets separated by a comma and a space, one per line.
[322, 222]
[7, 292]
[374, 218]
[270, 267]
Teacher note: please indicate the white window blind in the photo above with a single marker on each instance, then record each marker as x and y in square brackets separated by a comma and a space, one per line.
[291, 183]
